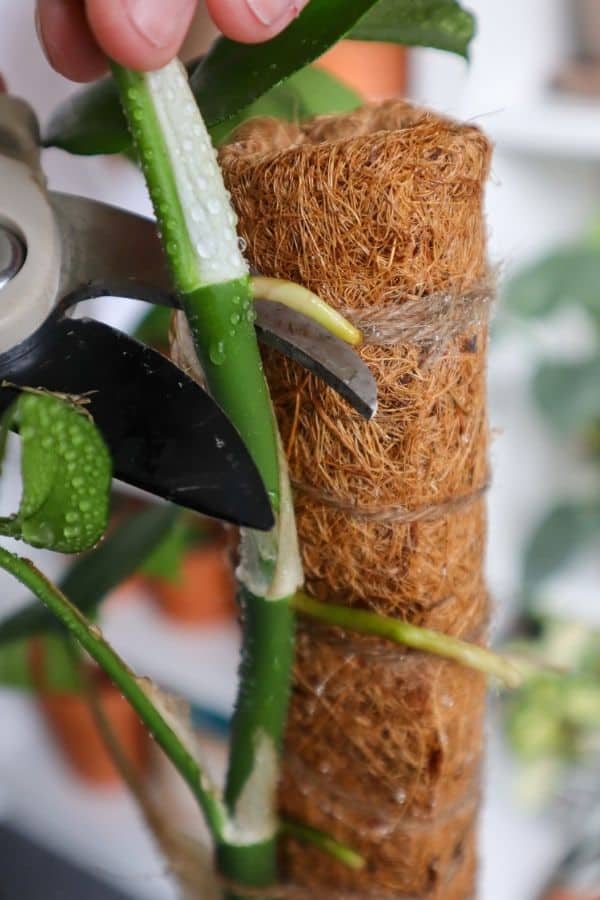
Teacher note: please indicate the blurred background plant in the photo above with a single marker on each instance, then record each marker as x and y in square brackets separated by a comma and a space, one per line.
[553, 722]
[566, 392]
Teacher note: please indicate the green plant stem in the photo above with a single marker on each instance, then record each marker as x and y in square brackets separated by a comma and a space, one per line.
[221, 319]
[364, 622]
[261, 708]
[309, 835]
[220, 315]
[90, 638]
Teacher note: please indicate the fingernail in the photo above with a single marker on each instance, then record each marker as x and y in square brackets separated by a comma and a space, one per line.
[271, 12]
[157, 22]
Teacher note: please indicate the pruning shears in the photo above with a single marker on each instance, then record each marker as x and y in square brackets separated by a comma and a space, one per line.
[165, 433]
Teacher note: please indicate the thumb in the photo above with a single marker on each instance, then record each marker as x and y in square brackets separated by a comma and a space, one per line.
[142, 34]
[251, 21]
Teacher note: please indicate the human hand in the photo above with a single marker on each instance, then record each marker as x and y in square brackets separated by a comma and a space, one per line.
[77, 35]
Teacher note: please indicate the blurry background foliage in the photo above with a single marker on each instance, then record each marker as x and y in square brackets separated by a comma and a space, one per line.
[567, 394]
[553, 722]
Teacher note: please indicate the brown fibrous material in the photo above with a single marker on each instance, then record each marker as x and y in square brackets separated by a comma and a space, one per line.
[380, 213]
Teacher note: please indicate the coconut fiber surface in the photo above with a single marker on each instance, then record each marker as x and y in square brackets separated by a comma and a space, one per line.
[380, 212]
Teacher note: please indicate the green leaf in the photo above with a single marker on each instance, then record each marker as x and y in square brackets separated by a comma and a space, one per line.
[15, 665]
[6, 422]
[57, 669]
[534, 722]
[310, 92]
[563, 531]
[233, 75]
[566, 277]
[166, 558]
[93, 576]
[59, 661]
[90, 121]
[442, 24]
[568, 394]
[153, 328]
[66, 473]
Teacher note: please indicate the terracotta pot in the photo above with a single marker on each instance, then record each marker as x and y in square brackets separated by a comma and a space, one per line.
[205, 592]
[586, 17]
[562, 894]
[129, 591]
[74, 728]
[377, 71]
[123, 507]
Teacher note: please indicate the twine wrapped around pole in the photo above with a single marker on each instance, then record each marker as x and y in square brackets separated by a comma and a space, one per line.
[380, 213]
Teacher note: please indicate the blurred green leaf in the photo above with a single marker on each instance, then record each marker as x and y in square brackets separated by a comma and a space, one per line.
[51, 665]
[553, 720]
[442, 24]
[166, 558]
[309, 92]
[91, 121]
[232, 76]
[74, 124]
[93, 576]
[59, 662]
[534, 720]
[15, 665]
[569, 276]
[568, 394]
[153, 328]
[66, 472]
[563, 531]
[6, 421]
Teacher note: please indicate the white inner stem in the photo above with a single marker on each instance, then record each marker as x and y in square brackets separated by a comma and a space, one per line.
[209, 216]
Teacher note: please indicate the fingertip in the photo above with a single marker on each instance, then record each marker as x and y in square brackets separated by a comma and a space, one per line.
[138, 33]
[67, 41]
[253, 21]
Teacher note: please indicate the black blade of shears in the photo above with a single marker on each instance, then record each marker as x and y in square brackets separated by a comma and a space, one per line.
[165, 433]
[112, 251]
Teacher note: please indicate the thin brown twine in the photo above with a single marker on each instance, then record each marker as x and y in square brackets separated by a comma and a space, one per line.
[400, 514]
[430, 321]
[310, 781]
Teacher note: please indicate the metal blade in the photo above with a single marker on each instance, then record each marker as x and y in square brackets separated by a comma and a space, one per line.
[331, 359]
[109, 251]
[165, 433]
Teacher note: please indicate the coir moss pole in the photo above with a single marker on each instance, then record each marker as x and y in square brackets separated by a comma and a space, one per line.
[379, 212]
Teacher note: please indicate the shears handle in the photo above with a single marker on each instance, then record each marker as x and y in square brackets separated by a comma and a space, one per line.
[20, 134]
[27, 224]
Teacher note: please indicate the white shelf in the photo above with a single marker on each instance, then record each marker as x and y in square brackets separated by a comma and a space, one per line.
[198, 663]
[557, 126]
[97, 829]
[101, 830]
